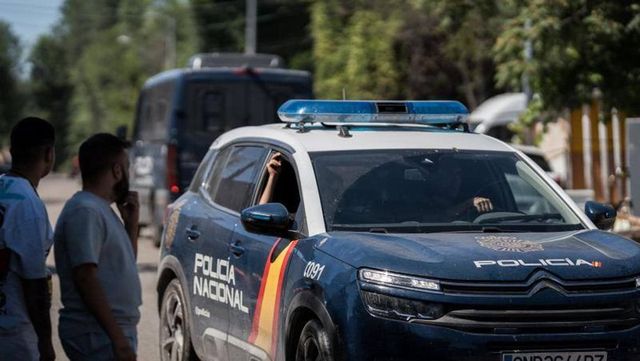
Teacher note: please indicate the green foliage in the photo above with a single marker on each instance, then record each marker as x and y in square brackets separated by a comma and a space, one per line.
[354, 49]
[578, 45]
[406, 49]
[11, 96]
[51, 88]
[88, 73]
[282, 28]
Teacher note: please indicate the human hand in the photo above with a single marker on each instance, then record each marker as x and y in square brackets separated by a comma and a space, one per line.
[123, 351]
[274, 165]
[482, 205]
[130, 208]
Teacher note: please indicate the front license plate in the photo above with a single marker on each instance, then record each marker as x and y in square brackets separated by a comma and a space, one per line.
[556, 356]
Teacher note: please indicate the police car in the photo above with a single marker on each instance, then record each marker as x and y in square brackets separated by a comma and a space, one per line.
[360, 230]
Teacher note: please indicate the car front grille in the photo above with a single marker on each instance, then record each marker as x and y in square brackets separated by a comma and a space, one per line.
[575, 319]
[537, 282]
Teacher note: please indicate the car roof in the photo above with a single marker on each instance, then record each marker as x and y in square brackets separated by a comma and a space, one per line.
[318, 138]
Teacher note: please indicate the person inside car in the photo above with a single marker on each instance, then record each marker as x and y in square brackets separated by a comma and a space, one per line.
[447, 184]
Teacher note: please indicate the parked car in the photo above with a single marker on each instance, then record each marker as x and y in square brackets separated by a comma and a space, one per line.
[180, 112]
[386, 231]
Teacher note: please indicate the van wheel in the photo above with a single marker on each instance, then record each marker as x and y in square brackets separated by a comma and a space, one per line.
[314, 343]
[175, 340]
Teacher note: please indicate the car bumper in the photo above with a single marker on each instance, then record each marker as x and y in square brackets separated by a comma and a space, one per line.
[386, 340]
[364, 336]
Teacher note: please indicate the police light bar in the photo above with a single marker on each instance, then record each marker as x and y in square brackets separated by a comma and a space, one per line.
[365, 111]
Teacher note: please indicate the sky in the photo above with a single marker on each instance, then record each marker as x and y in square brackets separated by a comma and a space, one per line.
[30, 18]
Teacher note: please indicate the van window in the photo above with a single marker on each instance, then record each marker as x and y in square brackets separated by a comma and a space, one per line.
[210, 106]
[154, 112]
[239, 177]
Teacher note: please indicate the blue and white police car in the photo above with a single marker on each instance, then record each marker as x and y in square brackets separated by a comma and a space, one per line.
[362, 230]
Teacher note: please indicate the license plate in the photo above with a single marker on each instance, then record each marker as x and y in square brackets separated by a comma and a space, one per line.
[556, 356]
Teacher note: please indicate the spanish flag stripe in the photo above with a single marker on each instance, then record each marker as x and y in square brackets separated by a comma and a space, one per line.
[256, 315]
[276, 311]
[264, 329]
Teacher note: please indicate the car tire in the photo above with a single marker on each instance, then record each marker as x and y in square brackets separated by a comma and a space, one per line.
[175, 338]
[314, 343]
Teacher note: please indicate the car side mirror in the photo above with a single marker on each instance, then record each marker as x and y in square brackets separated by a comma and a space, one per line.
[269, 219]
[602, 215]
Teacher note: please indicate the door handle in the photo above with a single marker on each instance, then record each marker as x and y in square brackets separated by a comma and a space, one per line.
[192, 233]
[236, 249]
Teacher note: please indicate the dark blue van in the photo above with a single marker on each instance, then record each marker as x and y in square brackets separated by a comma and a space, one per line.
[181, 111]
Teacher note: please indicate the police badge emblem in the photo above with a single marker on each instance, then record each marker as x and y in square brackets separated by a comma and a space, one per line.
[508, 244]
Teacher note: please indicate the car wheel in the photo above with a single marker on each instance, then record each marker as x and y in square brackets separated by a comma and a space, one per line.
[314, 343]
[175, 340]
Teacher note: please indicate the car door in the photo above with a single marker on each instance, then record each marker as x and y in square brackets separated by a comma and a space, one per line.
[259, 270]
[230, 190]
[205, 232]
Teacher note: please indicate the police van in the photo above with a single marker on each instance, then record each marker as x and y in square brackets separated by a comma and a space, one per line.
[181, 111]
[363, 230]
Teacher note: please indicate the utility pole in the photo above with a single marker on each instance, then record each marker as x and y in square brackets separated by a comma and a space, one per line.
[528, 55]
[170, 42]
[250, 27]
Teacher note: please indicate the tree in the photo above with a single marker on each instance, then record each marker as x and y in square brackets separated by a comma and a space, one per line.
[394, 49]
[578, 45]
[11, 97]
[354, 49]
[51, 87]
[221, 28]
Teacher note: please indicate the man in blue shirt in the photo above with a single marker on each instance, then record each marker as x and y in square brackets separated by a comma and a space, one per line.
[25, 241]
[95, 254]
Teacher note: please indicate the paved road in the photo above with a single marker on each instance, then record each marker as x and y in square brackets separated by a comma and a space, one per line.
[55, 190]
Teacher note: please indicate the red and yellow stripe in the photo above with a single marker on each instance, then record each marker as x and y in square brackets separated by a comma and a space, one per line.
[264, 330]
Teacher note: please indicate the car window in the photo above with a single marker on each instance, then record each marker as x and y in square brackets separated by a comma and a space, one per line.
[285, 189]
[436, 190]
[238, 177]
[198, 178]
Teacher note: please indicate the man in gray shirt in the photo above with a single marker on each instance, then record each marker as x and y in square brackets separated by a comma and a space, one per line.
[95, 256]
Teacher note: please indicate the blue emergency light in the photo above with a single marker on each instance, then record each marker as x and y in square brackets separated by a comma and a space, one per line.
[365, 111]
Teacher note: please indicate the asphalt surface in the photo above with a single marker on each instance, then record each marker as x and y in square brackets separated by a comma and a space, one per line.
[55, 189]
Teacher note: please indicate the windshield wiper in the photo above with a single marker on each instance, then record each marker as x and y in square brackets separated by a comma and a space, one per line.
[524, 217]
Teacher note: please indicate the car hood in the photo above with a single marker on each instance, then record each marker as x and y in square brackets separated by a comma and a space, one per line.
[586, 254]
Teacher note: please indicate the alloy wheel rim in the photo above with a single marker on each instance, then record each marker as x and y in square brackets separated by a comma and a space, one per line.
[172, 342]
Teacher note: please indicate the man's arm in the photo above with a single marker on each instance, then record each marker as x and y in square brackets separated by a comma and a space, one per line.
[273, 168]
[37, 298]
[130, 213]
[86, 281]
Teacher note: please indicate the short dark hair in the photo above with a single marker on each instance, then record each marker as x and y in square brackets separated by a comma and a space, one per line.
[98, 153]
[30, 137]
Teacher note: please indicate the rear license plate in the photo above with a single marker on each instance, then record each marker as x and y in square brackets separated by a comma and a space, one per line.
[556, 356]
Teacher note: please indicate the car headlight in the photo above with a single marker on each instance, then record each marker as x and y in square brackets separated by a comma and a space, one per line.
[401, 308]
[397, 280]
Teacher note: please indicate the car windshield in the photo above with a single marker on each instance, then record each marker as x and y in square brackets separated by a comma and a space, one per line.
[418, 191]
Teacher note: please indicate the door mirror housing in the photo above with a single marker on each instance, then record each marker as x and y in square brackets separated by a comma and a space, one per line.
[602, 215]
[269, 219]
